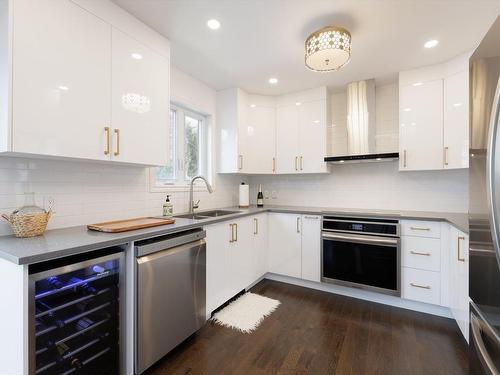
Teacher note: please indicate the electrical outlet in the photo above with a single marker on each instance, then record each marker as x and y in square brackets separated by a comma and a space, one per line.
[274, 194]
[266, 194]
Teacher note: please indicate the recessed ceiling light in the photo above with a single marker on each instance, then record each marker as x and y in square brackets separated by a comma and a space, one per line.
[407, 109]
[298, 103]
[213, 24]
[431, 43]
[253, 105]
[63, 88]
[457, 104]
[418, 84]
[316, 121]
[273, 80]
[136, 56]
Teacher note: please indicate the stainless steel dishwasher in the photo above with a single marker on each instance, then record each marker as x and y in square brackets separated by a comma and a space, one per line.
[171, 293]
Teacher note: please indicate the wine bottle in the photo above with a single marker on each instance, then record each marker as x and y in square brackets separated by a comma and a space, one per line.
[260, 197]
[85, 287]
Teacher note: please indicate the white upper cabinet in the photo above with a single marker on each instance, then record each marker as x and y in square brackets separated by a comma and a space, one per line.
[434, 116]
[456, 120]
[246, 129]
[75, 89]
[312, 136]
[265, 135]
[259, 135]
[301, 132]
[287, 141]
[60, 84]
[140, 102]
[421, 125]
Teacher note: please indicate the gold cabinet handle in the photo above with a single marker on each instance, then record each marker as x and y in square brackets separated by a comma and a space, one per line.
[256, 226]
[420, 228]
[404, 158]
[296, 159]
[420, 286]
[240, 162]
[417, 253]
[106, 150]
[445, 155]
[232, 233]
[301, 162]
[298, 224]
[274, 165]
[236, 231]
[117, 133]
[458, 249]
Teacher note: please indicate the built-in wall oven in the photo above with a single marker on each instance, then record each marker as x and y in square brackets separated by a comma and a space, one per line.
[362, 253]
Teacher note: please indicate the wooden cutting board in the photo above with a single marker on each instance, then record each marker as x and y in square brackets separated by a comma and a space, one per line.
[130, 224]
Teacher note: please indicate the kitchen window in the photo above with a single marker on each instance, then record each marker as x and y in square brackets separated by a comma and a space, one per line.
[188, 150]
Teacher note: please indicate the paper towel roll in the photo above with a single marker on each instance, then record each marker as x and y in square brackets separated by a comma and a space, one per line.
[244, 195]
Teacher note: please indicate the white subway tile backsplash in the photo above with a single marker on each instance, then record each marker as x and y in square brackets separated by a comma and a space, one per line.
[85, 192]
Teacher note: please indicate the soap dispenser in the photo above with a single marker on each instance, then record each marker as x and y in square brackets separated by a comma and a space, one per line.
[168, 208]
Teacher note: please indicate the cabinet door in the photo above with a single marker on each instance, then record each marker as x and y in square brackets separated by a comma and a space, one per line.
[241, 256]
[285, 255]
[140, 102]
[456, 121]
[61, 91]
[287, 129]
[312, 137]
[421, 126]
[218, 266]
[459, 280]
[311, 247]
[260, 245]
[260, 136]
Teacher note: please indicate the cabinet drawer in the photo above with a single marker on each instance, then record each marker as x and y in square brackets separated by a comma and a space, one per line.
[421, 252]
[421, 228]
[420, 285]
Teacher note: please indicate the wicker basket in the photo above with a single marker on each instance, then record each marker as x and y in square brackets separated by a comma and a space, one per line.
[29, 225]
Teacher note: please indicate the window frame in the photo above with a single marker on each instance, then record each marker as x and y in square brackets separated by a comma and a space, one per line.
[179, 183]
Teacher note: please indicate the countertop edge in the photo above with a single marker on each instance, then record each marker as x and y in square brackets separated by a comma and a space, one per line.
[127, 237]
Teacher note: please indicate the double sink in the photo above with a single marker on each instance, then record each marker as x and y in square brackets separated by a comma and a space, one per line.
[206, 214]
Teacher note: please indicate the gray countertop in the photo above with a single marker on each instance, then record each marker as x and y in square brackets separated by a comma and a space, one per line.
[69, 241]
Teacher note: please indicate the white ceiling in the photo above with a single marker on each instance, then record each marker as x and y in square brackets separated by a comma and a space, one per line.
[263, 38]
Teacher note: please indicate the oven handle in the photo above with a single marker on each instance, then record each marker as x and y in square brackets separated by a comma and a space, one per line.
[361, 239]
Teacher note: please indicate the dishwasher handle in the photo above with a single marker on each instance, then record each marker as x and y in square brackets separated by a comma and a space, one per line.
[167, 242]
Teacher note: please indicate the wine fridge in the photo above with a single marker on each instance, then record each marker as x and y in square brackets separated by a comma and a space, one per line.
[75, 307]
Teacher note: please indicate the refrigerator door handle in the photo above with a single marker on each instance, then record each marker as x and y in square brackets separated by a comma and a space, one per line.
[491, 171]
[478, 327]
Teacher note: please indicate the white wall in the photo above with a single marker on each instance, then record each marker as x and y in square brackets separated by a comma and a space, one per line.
[85, 192]
[371, 186]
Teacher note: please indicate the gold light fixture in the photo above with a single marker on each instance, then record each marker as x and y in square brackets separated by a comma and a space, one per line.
[328, 49]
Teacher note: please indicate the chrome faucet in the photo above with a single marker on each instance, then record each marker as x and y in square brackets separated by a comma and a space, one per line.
[192, 204]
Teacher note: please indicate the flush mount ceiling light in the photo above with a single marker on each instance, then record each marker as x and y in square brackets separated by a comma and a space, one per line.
[273, 80]
[328, 49]
[431, 43]
[213, 24]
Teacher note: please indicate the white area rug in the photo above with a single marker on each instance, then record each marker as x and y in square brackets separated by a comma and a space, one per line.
[246, 313]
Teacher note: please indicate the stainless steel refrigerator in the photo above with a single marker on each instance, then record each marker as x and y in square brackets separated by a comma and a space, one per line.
[484, 205]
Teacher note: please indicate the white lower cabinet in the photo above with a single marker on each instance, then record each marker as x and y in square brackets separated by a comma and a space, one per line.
[236, 257]
[421, 285]
[311, 247]
[285, 248]
[219, 288]
[459, 279]
[294, 245]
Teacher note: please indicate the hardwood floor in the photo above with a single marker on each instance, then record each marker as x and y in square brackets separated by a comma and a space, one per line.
[314, 332]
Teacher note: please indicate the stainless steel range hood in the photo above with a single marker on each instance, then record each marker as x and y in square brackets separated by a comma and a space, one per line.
[354, 132]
